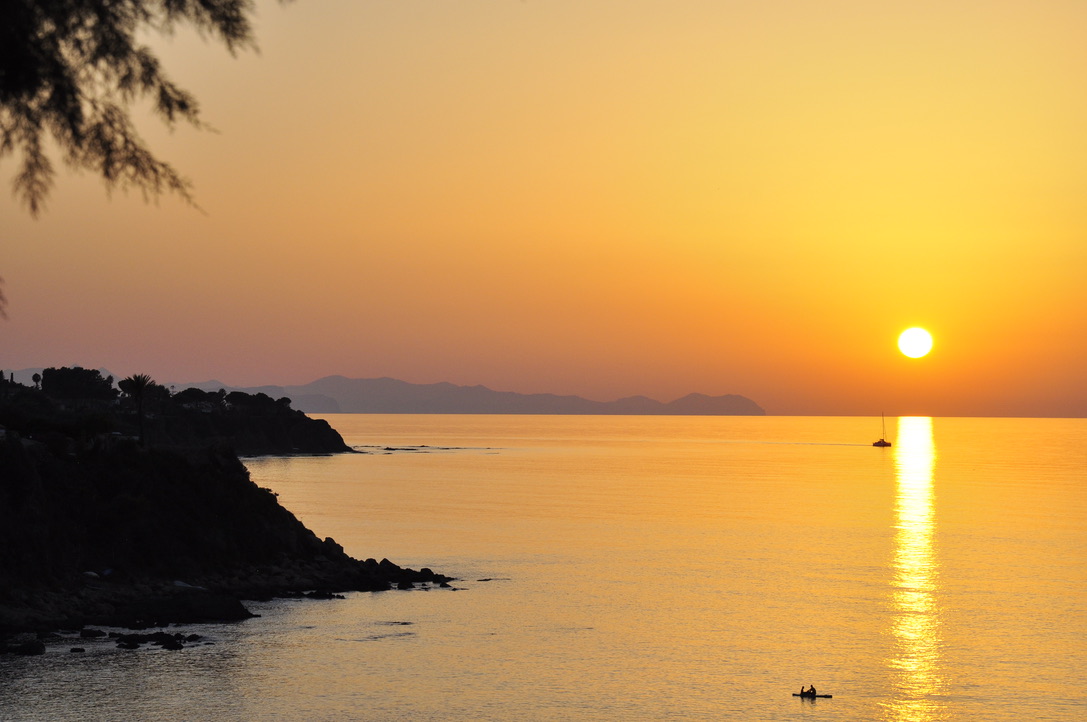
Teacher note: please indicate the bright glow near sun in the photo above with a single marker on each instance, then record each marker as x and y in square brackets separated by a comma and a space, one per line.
[915, 342]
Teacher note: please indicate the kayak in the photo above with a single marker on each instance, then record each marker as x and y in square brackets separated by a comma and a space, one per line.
[812, 696]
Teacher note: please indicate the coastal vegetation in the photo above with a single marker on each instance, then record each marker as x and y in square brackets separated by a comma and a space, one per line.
[69, 72]
[77, 407]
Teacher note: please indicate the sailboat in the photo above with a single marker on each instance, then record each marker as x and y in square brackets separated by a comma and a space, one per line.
[883, 439]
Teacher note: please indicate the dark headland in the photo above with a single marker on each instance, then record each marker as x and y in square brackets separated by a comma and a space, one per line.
[135, 510]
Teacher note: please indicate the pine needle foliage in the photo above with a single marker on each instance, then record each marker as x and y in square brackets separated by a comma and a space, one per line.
[70, 69]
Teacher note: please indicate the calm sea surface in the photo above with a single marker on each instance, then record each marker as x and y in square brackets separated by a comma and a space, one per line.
[650, 568]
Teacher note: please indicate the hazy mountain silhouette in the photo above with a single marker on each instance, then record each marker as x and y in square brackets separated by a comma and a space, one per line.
[338, 394]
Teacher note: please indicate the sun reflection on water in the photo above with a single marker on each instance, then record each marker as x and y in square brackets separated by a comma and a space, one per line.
[915, 627]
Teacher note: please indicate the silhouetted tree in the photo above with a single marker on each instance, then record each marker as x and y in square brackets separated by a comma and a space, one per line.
[69, 69]
[193, 396]
[136, 387]
[77, 383]
[37, 379]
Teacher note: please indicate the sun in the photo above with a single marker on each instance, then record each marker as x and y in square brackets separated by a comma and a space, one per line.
[915, 342]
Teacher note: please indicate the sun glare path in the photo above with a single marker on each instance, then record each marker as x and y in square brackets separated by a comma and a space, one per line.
[915, 585]
[915, 342]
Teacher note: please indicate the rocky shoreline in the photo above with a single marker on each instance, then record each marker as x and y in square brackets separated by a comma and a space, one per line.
[100, 531]
[138, 604]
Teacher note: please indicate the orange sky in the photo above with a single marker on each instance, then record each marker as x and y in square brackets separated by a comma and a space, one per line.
[600, 198]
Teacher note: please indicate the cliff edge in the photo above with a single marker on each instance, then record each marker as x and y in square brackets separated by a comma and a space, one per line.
[99, 528]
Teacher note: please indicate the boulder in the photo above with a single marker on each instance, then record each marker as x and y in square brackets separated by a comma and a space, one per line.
[186, 606]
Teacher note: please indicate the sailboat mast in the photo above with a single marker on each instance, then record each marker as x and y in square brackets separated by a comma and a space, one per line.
[883, 439]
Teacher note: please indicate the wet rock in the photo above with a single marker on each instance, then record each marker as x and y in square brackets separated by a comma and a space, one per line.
[187, 607]
[165, 640]
[171, 643]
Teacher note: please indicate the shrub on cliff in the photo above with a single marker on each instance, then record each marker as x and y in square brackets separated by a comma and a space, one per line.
[82, 405]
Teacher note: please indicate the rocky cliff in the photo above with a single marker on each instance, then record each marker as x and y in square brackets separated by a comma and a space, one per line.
[96, 527]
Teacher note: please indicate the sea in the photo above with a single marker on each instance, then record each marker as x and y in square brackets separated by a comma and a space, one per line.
[648, 568]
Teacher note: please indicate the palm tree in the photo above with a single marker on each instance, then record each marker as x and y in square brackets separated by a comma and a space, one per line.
[135, 386]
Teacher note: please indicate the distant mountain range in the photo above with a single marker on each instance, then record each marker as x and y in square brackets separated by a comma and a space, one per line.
[338, 394]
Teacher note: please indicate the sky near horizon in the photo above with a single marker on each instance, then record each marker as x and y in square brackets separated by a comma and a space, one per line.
[598, 198]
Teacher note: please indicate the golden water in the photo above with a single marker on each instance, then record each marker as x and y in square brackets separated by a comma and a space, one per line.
[652, 568]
